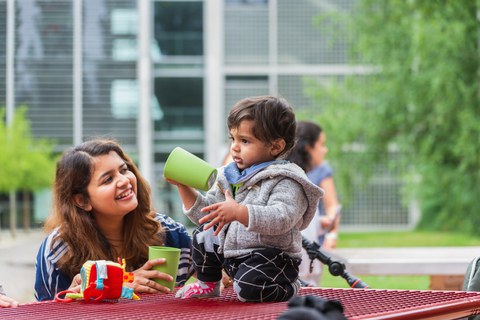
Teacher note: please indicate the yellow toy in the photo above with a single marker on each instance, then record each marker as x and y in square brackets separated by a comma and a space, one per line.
[102, 280]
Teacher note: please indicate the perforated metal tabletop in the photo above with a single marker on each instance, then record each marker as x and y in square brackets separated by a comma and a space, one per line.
[358, 304]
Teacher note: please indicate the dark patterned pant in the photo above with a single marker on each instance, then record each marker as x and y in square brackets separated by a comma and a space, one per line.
[264, 275]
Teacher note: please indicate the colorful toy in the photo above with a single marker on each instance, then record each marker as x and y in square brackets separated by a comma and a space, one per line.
[101, 280]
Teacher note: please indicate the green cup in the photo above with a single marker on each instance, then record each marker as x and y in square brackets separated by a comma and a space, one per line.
[172, 258]
[190, 170]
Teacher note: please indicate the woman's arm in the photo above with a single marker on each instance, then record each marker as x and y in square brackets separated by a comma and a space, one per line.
[49, 279]
[331, 219]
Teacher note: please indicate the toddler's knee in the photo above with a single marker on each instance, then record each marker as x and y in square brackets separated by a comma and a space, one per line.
[242, 294]
[254, 293]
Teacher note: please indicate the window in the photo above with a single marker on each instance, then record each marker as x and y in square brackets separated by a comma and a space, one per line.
[181, 103]
[179, 27]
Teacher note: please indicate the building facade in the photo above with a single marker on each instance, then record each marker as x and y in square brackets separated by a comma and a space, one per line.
[156, 74]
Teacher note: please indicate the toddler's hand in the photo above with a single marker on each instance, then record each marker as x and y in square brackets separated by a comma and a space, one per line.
[221, 213]
[173, 182]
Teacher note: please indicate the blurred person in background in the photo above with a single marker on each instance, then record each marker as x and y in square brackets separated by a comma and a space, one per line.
[309, 153]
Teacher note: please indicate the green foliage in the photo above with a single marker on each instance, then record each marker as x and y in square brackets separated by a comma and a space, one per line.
[420, 98]
[26, 163]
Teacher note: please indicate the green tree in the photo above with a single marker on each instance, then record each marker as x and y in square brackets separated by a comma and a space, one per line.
[26, 164]
[421, 99]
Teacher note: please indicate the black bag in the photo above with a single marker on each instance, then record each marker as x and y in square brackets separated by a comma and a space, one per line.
[472, 277]
[312, 308]
[472, 280]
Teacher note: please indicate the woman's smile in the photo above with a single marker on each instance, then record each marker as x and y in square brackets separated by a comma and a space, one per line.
[126, 195]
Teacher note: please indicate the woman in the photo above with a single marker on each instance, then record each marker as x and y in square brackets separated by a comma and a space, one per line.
[309, 153]
[102, 210]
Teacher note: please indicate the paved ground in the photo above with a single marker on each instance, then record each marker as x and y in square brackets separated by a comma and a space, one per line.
[17, 263]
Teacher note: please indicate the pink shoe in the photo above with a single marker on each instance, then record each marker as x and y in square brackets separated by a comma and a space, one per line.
[200, 289]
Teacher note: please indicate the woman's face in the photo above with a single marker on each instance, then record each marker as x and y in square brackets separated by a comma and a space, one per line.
[319, 150]
[112, 189]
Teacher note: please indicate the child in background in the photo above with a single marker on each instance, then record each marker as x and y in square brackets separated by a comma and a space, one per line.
[257, 208]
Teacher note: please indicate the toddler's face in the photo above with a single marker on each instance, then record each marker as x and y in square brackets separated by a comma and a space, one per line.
[245, 149]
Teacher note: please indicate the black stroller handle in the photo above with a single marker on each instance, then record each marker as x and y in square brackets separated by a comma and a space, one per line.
[335, 268]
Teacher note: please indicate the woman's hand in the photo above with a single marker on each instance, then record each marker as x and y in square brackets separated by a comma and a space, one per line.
[76, 284]
[327, 223]
[7, 302]
[330, 242]
[143, 281]
[328, 226]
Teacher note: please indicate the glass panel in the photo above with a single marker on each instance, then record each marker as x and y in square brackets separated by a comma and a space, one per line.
[292, 89]
[304, 38]
[246, 2]
[124, 50]
[43, 66]
[178, 27]
[178, 88]
[181, 124]
[181, 104]
[380, 200]
[124, 97]
[124, 22]
[110, 93]
[246, 33]
[237, 88]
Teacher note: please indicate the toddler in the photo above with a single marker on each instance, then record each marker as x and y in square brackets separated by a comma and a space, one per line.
[250, 220]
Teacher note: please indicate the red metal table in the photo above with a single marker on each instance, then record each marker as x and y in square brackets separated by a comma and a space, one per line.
[358, 304]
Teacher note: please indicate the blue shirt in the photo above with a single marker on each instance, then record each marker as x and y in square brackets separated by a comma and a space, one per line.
[317, 175]
[49, 279]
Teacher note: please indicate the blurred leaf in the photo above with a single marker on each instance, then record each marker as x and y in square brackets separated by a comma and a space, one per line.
[26, 163]
[422, 100]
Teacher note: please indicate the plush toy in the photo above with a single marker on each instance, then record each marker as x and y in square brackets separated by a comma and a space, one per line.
[101, 280]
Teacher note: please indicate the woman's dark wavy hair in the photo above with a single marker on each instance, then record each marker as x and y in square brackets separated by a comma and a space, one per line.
[77, 227]
[273, 119]
[307, 134]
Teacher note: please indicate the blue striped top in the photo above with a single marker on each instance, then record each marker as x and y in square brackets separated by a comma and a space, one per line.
[49, 279]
